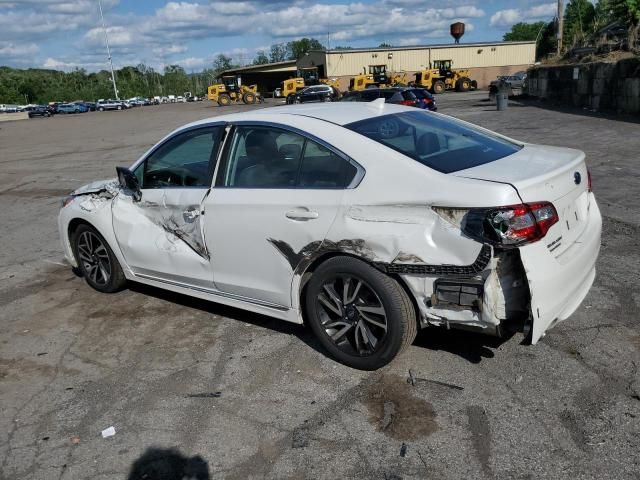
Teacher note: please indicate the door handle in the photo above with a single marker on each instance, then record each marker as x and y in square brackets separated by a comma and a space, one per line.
[301, 214]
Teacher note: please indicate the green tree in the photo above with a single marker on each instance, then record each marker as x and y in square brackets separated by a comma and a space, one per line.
[385, 45]
[578, 21]
[261, 58]
[297, 49]
[222, 63]
[523, 32]
[278, 52]
[625, 11]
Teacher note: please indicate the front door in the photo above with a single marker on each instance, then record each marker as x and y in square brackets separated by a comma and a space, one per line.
[161, 236]
[276, 195]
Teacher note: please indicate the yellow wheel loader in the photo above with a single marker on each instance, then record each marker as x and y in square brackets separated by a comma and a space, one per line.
[377, 77]
[442, 77]
[229, 91]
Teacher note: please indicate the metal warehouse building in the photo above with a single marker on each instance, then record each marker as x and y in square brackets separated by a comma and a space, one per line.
[485, 60]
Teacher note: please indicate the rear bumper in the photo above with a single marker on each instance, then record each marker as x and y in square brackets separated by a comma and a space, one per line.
[558, 285]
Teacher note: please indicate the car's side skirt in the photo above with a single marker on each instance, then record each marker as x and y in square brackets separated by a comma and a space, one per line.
[232, 300]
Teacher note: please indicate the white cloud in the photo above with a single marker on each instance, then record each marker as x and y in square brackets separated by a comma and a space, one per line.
[506, 18]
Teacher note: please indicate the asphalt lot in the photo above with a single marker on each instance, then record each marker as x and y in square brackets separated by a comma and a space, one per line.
[74, 362]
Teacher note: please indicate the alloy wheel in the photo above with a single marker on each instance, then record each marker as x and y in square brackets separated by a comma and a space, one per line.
[94, 257]
[352, 315]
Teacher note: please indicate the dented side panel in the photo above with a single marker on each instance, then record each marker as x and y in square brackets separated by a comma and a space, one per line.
[162, 235]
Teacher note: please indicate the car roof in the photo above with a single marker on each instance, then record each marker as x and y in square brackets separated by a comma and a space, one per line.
[339, 113]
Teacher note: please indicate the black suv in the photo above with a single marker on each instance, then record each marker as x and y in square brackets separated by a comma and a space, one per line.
[316, 93]
[37, 111]
[401, 96]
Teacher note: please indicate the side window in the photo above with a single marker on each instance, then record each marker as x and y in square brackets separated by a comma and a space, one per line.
[263, 157]
[321, 168]
[186, 160]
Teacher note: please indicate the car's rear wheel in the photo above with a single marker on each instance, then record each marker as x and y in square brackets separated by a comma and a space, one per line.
[97, 263]
[101, 109]
[360, 315]
[119, 107]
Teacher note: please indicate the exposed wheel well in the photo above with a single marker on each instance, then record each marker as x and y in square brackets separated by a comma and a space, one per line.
[73, 226]
[323, 258]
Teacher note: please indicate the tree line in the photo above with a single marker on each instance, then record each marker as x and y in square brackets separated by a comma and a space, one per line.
[37, 85]
[581, 21]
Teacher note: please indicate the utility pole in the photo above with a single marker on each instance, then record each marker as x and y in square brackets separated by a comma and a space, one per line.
[560, 26]
[106, 41]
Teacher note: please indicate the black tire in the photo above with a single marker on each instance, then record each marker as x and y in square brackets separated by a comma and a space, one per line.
[101, 109]
[119, 107]
[96, 261]
[374, 291]
[463, 84]
[224, 100]
[291, 99]
[438, 87]
[249, 98]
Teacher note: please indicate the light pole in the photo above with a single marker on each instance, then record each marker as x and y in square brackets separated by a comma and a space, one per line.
[106, 41]
[560, 26]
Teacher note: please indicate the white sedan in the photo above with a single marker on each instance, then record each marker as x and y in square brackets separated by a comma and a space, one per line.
[365, 221]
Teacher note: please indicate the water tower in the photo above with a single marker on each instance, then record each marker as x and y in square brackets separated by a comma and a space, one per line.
[457, 31]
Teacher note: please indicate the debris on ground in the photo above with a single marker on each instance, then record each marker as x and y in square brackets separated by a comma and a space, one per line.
[300, 438]
[413, 380]
[75, 440]
[205, 395]
[108, 432]
[403, 450]
[389, 410]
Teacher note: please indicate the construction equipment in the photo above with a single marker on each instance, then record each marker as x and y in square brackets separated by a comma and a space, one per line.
[442, 77]
[230, 90]
[376, 77]
[306, 77]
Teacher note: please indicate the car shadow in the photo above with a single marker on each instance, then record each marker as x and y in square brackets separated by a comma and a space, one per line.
[471, 346]
[264, 321]
[168, 464]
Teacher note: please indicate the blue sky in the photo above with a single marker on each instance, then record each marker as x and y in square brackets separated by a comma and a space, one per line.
[65, 34]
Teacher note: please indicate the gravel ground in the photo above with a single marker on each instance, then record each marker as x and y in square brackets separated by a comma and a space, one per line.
[236, 395]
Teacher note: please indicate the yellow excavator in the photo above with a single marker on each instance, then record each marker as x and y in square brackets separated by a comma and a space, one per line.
[442, 77]
[307, 76]
[229, 91]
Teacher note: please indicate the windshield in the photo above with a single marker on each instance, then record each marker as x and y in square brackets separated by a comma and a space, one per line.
[435, 141]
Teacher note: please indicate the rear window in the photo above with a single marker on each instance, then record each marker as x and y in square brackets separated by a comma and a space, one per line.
[435, 141]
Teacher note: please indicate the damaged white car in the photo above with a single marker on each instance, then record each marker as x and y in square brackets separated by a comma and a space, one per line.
[366, 221]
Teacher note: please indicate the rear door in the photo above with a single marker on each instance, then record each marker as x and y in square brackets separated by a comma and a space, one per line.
[276, 195]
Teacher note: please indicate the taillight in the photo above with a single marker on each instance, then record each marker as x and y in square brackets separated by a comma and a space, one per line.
[512, 225]
[409, 103]
[589, 184]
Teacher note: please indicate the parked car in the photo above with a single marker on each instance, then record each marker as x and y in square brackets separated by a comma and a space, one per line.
[368, 221]
[37, 111]
[424, 99]
[71, 108]
[102, 105]
[517, 81]
[316, 93]
[90, 106]
[398, 95]
[8, 108]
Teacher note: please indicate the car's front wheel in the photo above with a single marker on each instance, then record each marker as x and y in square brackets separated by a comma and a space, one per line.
[363, 317]
[97, 263]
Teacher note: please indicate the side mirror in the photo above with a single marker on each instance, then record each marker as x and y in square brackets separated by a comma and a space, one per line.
[129, 181]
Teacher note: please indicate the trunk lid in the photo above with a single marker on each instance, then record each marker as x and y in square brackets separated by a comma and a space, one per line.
[541, 173]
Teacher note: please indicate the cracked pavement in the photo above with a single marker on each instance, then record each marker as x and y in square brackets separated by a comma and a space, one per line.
[74, 362]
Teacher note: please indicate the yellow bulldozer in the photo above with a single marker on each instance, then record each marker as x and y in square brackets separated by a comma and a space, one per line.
[442, 77]
[306, 76]
[229, 91]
